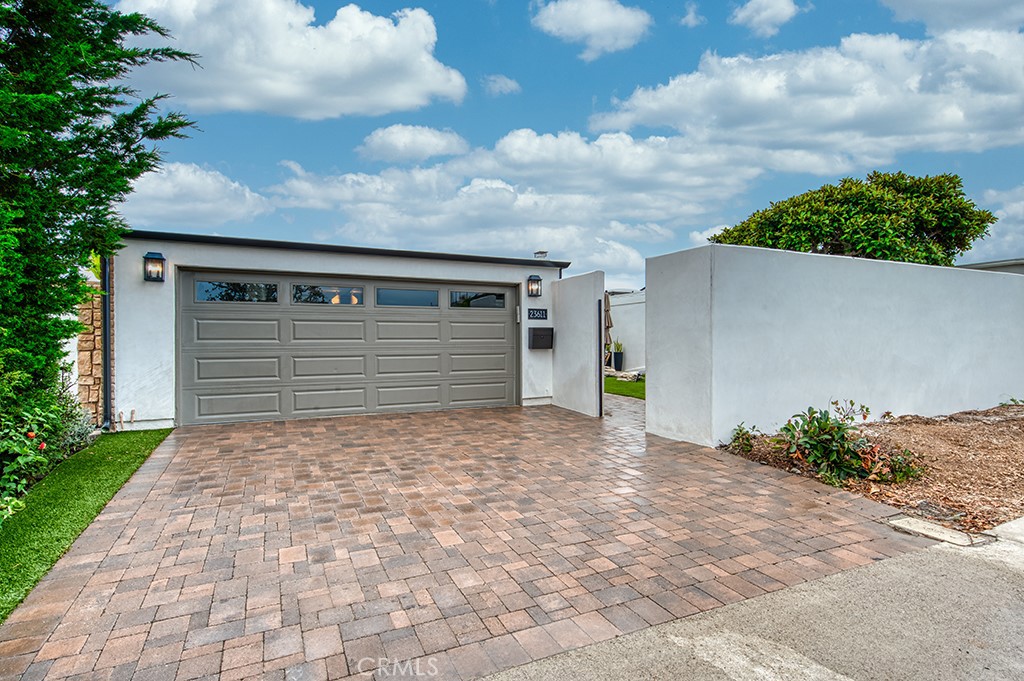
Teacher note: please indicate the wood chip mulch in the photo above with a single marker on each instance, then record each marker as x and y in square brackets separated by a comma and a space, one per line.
[973, 460]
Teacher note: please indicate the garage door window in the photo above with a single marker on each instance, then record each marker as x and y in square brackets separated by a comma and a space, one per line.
[477, 299]
[235, 292]
[406, 297]
[309, 294]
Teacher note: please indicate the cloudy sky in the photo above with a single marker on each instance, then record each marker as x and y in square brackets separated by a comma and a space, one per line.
[602, 131]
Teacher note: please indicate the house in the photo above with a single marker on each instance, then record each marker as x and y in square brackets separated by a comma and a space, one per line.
[210, 329]
[1015, 266]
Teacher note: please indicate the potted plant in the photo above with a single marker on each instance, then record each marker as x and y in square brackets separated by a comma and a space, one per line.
[617, 355]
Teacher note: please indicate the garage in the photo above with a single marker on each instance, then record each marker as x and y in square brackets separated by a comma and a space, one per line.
[259, 347]
[209, 329]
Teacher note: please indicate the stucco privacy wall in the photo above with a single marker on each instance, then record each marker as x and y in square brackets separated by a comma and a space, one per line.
[628, 328]
[755, 335]
[144, 347]
[577, 351]
[678, 321]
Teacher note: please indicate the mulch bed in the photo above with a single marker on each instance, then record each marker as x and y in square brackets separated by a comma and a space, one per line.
[973, 460]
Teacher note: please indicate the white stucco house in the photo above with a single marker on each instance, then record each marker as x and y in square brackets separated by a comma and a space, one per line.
[210, 329]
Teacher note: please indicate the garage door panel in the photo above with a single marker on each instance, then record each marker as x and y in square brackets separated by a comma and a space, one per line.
[208, 330]
[408, 331]
[237, 369]
[333, 400]
[238, 405]
[408, 365]
[241, 361]
[479, 331]
[473, 363]
[329, 330]
[465, 393]
[349, 367]
[409, 396]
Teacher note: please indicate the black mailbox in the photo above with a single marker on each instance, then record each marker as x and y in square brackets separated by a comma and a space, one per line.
[542, 338]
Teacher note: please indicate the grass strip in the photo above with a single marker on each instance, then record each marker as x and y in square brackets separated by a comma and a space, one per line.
[60, 506]
[637, 389]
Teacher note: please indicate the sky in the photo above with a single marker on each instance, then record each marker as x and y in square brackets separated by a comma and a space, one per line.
[601, 131]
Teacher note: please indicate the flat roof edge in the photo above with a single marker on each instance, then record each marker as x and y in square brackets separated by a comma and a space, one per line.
[336, 248]
[992, 263]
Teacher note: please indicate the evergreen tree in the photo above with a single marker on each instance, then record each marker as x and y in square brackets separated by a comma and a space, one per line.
[73, 137]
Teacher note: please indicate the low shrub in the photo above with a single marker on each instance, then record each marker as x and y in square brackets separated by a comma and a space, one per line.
[828, 441]
[743, 438]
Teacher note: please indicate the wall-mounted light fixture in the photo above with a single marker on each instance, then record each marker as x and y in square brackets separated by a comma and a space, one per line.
[533, 286]
[153, 267]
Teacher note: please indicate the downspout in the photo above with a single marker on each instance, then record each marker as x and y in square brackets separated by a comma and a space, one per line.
[105, 284]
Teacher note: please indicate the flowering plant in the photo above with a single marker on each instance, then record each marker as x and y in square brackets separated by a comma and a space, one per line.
[22, 447]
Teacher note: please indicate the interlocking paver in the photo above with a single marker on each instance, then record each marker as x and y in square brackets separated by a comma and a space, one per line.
[466, 541]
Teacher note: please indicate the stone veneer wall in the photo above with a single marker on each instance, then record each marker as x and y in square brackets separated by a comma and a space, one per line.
[90, 355]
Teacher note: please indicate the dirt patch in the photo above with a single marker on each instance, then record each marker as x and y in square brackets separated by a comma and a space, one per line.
[973, 460]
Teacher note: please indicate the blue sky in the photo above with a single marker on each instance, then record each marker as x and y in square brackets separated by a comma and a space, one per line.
[603, 131]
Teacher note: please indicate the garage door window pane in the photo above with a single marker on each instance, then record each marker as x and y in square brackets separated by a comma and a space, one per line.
[407, 297]
[477, 299]
[308, 294]
[235, 292]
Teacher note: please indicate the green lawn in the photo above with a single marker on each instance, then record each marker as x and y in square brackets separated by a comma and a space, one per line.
[62, 505]
[614, 386]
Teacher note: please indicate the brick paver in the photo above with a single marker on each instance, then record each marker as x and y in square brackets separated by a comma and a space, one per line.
[460, 543]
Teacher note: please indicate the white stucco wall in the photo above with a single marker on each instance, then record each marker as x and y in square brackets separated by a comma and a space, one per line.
[629, 328]
[578, 351]
[678, 323]
[145, 319]
[789, 330]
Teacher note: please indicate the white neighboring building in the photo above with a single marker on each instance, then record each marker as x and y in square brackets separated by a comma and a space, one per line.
[1015, 266]
[629, 327]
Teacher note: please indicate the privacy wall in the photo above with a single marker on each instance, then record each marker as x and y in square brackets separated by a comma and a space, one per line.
[755, 335]
[577, 355]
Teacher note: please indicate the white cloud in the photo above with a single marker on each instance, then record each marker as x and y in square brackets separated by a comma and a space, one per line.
[764, 17]
[497, 84]
[598, 202]
[859, 103]
[601, 25]
[650, 232]
[1006, 238]
[271, 56]
[700, 238]
[942, 15]
[411, 143]
[692, 18]
[185, 195]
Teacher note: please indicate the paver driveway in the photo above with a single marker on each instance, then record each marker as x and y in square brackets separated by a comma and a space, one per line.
[462, 542]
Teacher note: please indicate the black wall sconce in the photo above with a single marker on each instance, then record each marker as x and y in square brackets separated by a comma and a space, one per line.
[153, 267]
[533, 286]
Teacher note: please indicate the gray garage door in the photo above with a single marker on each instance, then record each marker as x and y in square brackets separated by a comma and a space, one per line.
[257, 347]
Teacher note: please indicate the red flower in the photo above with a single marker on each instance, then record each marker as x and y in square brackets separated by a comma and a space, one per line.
[31, 435]
[42, 446]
